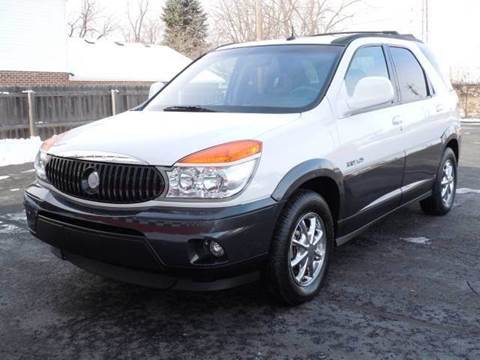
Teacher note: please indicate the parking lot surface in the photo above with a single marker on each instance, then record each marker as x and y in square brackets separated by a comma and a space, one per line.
[408, 288]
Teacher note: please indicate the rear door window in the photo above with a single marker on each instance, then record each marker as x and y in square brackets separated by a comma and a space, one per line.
[411, 77]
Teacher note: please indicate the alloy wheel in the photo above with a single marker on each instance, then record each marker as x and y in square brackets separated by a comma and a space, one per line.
[308, 247]
[448, 183]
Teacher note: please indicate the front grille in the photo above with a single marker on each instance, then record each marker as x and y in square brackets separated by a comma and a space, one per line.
[117, 183]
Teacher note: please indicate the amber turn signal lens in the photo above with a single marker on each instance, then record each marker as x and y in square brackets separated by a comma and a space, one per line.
[47, 144]
[225, 153]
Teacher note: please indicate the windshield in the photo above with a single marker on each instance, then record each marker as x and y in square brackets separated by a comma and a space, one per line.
[286, 78]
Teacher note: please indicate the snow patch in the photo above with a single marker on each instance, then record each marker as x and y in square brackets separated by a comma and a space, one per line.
[471, 121]
[4, 177]
[467, 191]
[10, 228]
[19, 216]
[418, 240]
[18, 151]
[106, 60]
[15, 189]
[7, 228]
[9, 236]
[28, 171]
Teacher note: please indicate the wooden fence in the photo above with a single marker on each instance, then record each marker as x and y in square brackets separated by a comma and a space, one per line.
[45, 111]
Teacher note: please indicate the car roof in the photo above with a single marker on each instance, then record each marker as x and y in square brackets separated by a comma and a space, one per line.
[339, 38]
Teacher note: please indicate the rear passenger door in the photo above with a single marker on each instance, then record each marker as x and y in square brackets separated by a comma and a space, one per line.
[421, 132]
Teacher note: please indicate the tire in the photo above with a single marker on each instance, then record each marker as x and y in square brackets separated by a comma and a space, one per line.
[284, 280]
[443, 192]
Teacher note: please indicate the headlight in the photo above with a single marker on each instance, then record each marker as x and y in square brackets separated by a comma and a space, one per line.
[40, 163]
[209, 182]
[42, 157]
[215, 173]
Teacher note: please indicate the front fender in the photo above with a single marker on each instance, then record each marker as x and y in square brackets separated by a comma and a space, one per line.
[306, 171]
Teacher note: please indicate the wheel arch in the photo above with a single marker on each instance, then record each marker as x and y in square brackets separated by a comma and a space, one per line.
[451, 138]
[455, 146]
[318, 175]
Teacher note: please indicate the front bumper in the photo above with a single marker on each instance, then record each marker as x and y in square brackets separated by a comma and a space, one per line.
[158, 247]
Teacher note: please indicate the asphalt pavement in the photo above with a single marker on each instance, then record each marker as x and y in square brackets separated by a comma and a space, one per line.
[409, 288]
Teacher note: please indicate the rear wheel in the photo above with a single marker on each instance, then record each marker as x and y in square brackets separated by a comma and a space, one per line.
[443, 192]
[301, 249]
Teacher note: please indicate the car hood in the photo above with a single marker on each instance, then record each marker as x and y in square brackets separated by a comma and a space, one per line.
[163, 138]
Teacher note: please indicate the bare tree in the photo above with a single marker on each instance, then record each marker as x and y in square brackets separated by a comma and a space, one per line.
[463, 86]
[235, 20]
[137, 21]
[89, 21]
[82, 23]
[72, 26]
[107, 27]
[152, 31]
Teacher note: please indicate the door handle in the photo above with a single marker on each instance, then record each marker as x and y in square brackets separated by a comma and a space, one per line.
[397, 120]
[439, 108]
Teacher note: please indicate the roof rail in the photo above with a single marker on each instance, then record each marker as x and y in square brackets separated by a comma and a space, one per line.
[224, 45]
[390, 32]
[353, 35]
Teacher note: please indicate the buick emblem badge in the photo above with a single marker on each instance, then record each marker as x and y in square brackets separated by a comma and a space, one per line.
[90, 181]
[93, 180]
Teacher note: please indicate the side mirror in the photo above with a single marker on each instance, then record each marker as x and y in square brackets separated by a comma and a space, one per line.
[155, 88]
[371, 91]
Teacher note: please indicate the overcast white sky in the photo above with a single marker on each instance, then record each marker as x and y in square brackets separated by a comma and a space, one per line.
[454, 34]
[453, 31]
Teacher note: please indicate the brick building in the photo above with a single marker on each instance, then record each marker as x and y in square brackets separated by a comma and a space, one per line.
[35, 51]
[32, 42]
[32, 78]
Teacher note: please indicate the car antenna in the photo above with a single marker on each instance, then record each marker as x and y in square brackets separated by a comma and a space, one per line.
[293, 36]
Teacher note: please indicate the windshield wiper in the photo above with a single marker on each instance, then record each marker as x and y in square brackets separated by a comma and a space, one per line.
[188, 109]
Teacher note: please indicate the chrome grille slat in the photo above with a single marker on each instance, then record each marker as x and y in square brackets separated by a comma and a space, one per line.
[53, 174]
[127, 185]
[61, 178]
[108, 181]
[123, 185]
[140, 182]
[70, 177]
[135, 183]
[147, 183]
[76, 175]
[103, 188]
[57, 177]
[119, 183]
[115, 181]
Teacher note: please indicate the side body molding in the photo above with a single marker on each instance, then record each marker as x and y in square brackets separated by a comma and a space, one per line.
[306, 171]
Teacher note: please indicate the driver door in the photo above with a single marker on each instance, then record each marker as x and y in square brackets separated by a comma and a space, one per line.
[372, 154]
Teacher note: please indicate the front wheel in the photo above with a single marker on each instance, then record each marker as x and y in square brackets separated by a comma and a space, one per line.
[445, 186]
[301, 249]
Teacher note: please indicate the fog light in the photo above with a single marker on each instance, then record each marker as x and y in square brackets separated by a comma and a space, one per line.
[216, 249]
